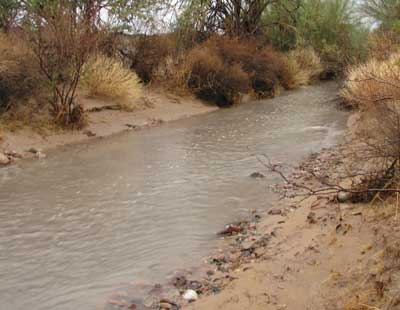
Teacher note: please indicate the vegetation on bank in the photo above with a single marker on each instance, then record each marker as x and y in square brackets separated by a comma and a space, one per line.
[53, 52]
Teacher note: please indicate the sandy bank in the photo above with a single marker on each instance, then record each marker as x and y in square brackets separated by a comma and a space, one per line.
[153, 108]
[319, 254]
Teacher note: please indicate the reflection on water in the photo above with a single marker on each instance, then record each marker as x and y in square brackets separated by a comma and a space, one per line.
[91, 218]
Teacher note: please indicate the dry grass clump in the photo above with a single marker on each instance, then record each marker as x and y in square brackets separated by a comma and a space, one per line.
[373, 82]
[309, 64]
[295, 76]
[383, 44]
[108, 77]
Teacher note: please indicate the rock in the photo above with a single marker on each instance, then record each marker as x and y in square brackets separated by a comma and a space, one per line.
[4, 160]
[231, 229]
[343, 196]
[89, 133]
[195, 285]
[311, 218]
[33, 150]
[40, 155]
[13, 154]
[257, 175]
[248, 245]
[130, 126]
[165, 305]
[275, 212]
[179, 281]
[117, 303]
[190, 295]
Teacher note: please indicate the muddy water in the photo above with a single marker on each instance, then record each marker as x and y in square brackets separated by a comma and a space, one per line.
[92, 218]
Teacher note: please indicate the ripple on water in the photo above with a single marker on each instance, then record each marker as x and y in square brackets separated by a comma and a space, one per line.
[92, 218]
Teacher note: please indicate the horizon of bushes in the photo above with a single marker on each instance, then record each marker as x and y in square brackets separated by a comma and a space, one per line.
[51, 51]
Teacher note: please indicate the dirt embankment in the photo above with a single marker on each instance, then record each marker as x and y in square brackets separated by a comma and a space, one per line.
[104, 120]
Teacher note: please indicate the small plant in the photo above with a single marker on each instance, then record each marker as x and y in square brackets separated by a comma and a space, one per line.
[108, 77]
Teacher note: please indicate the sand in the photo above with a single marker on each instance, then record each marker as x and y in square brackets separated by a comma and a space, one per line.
[153, 108]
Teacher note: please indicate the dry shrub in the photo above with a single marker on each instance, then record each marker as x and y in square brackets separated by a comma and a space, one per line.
[147, 53]
[31, 114]
[294, 76]
[263, 65]
[309, 64]
[221, 69]
[19, 72]
[301, 66]
[108, 77]
[373, 82]
[381, 45]
[213, 80]
[173, 74]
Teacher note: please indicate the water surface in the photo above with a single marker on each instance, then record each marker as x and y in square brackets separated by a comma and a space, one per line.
[95, 217]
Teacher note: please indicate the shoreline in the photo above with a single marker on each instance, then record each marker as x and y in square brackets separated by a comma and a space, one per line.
[153, 108]
[313, 253]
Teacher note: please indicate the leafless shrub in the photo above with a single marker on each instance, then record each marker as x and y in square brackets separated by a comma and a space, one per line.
[62, 41]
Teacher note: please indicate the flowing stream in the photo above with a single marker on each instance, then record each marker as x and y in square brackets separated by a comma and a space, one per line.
[94, 217]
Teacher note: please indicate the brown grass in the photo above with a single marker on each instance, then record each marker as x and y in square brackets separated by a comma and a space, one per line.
[372, 82]
[108, 77]
[383, 44]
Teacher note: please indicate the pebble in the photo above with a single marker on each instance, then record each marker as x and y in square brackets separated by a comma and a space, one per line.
[275, 212]
[343, 196]
[4, 160]
[164, 305]
[190, 295]
[257, 175]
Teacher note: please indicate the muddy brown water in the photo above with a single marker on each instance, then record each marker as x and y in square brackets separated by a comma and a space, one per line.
[92, 218]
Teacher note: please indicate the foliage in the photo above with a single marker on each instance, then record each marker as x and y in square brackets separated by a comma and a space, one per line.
[303, 66]
[385, 12]
[383, 44]
[108, 77]
[146, 53]
[309, 63]
[19, 73]
[9, 10]
[329, 26]
[374, 82]
[212, 80]
[62, 39]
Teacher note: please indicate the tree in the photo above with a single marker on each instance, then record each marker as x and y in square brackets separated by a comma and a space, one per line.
[62, 37]
[9, 11]
[385, 12]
